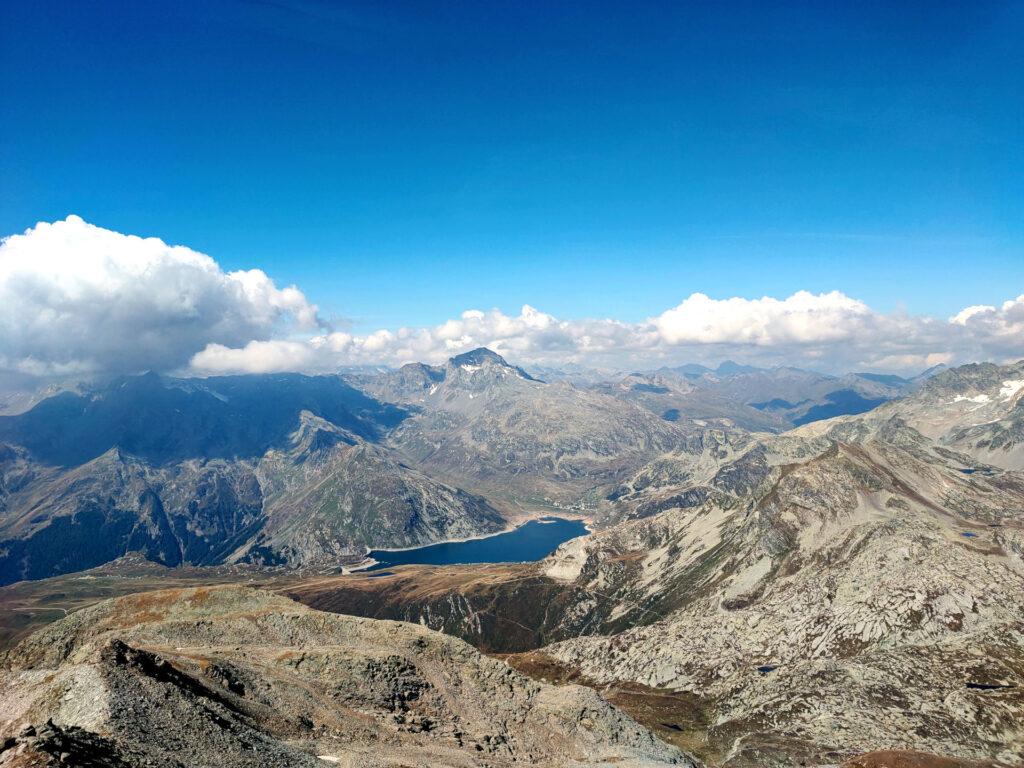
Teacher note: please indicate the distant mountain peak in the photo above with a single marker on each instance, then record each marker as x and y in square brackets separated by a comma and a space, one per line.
[888, 379]
[929, 372]
[731, 368]
[725, 368]
[478, 356]
[482, 356]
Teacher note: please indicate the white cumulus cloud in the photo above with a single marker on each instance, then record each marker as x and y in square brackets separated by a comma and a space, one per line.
[76, 298]
[1005, 321]
[272, 356]
[531, 336]
[800, 319]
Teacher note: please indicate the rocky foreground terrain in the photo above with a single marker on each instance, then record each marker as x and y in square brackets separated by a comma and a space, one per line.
[231, 676]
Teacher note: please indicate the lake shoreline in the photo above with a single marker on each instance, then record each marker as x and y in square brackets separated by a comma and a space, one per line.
[542, 518]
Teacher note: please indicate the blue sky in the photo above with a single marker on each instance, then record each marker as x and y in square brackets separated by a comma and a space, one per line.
[403, 162]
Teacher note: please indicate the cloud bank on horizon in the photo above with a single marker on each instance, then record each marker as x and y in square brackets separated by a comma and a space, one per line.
[77, 299]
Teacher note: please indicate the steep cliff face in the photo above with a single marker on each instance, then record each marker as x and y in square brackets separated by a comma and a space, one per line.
[231, 676]
[502, 608]
[56, 520]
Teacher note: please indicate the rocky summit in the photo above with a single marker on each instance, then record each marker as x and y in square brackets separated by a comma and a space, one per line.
[232, 676]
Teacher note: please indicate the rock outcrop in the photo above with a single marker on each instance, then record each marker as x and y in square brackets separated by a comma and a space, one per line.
[231, 676]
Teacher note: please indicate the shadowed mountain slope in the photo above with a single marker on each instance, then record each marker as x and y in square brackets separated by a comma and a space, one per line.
[162, 420]
[278, 469]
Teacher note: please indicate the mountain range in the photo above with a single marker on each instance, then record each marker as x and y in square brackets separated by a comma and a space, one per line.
[761, 586]
[213, 470]
[758, 399]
